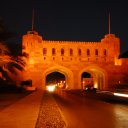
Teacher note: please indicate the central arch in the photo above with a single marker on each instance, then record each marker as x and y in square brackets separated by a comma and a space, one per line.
[99, 75]
[63, 70]
[56, 78]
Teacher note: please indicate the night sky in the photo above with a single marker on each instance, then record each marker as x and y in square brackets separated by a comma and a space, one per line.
[72, 20]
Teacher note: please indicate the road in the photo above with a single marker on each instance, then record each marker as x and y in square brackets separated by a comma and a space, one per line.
[89, 112]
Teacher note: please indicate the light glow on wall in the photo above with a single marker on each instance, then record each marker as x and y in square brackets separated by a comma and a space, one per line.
[95, 85]
[118, 61]
[31, 61]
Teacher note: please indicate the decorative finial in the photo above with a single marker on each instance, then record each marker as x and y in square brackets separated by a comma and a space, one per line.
[33, 12]
[109, 25]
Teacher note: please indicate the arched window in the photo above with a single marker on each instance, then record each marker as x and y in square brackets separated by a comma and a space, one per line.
[62, 52]
[96, 52]
[105, 52]
[44, 51]
[88, 52]
[79, 52]
[53, 51]
[71, 52]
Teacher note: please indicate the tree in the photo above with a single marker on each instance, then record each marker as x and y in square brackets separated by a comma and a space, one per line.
[9, 65]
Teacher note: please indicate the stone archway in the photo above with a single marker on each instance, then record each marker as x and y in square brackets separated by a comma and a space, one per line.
[56, 78]
[100, 78]
[63, 70]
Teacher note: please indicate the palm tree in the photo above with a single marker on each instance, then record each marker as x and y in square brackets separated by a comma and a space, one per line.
[10, 65]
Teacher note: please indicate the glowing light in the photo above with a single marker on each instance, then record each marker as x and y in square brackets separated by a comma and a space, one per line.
[95, 85]
[31, 61]
[51, 88]
[120, 94]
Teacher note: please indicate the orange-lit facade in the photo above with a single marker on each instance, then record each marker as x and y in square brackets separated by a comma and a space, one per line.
[72, 58]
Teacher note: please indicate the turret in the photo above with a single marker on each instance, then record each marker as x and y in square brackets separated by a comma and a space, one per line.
[112, 43]
[29, 41]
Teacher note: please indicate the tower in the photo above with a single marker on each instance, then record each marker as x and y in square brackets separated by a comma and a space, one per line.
[31, 42]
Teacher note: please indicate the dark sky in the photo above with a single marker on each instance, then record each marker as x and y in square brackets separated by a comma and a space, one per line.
[76, 20]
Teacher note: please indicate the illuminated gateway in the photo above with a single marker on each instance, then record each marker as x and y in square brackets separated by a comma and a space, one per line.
[72, 59]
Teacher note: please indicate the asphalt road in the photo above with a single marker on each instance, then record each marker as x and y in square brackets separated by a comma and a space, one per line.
[89, 111]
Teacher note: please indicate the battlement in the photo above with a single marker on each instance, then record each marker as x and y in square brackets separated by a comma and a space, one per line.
[67, 42]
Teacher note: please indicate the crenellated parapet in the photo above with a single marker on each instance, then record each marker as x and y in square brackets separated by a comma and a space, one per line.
[107, 50]
[65, 42]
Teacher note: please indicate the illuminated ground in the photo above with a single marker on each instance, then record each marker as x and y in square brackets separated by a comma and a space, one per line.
[76, 111]
[90, 111]
[23, 113]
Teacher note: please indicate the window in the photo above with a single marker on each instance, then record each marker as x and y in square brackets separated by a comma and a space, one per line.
[96, 52]
[88, 52]
[44, 51]
[53, 51]
[105, 52]
[79, 52]
[62, 52]
[71, 52]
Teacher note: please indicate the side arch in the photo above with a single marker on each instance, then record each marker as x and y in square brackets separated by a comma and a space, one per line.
[99, 75]
[61, 69]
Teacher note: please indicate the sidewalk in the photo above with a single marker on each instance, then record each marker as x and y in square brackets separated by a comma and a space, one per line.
[22, 114]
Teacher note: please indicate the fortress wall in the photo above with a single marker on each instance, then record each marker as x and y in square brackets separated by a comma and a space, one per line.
[107, 68]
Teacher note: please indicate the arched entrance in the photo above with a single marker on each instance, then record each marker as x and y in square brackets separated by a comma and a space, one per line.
[96, 76]
[69, 79]
[86, 80]
[57, 79]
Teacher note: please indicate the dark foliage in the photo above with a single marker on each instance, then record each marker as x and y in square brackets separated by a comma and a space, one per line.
[6, 87]
[14, 56]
